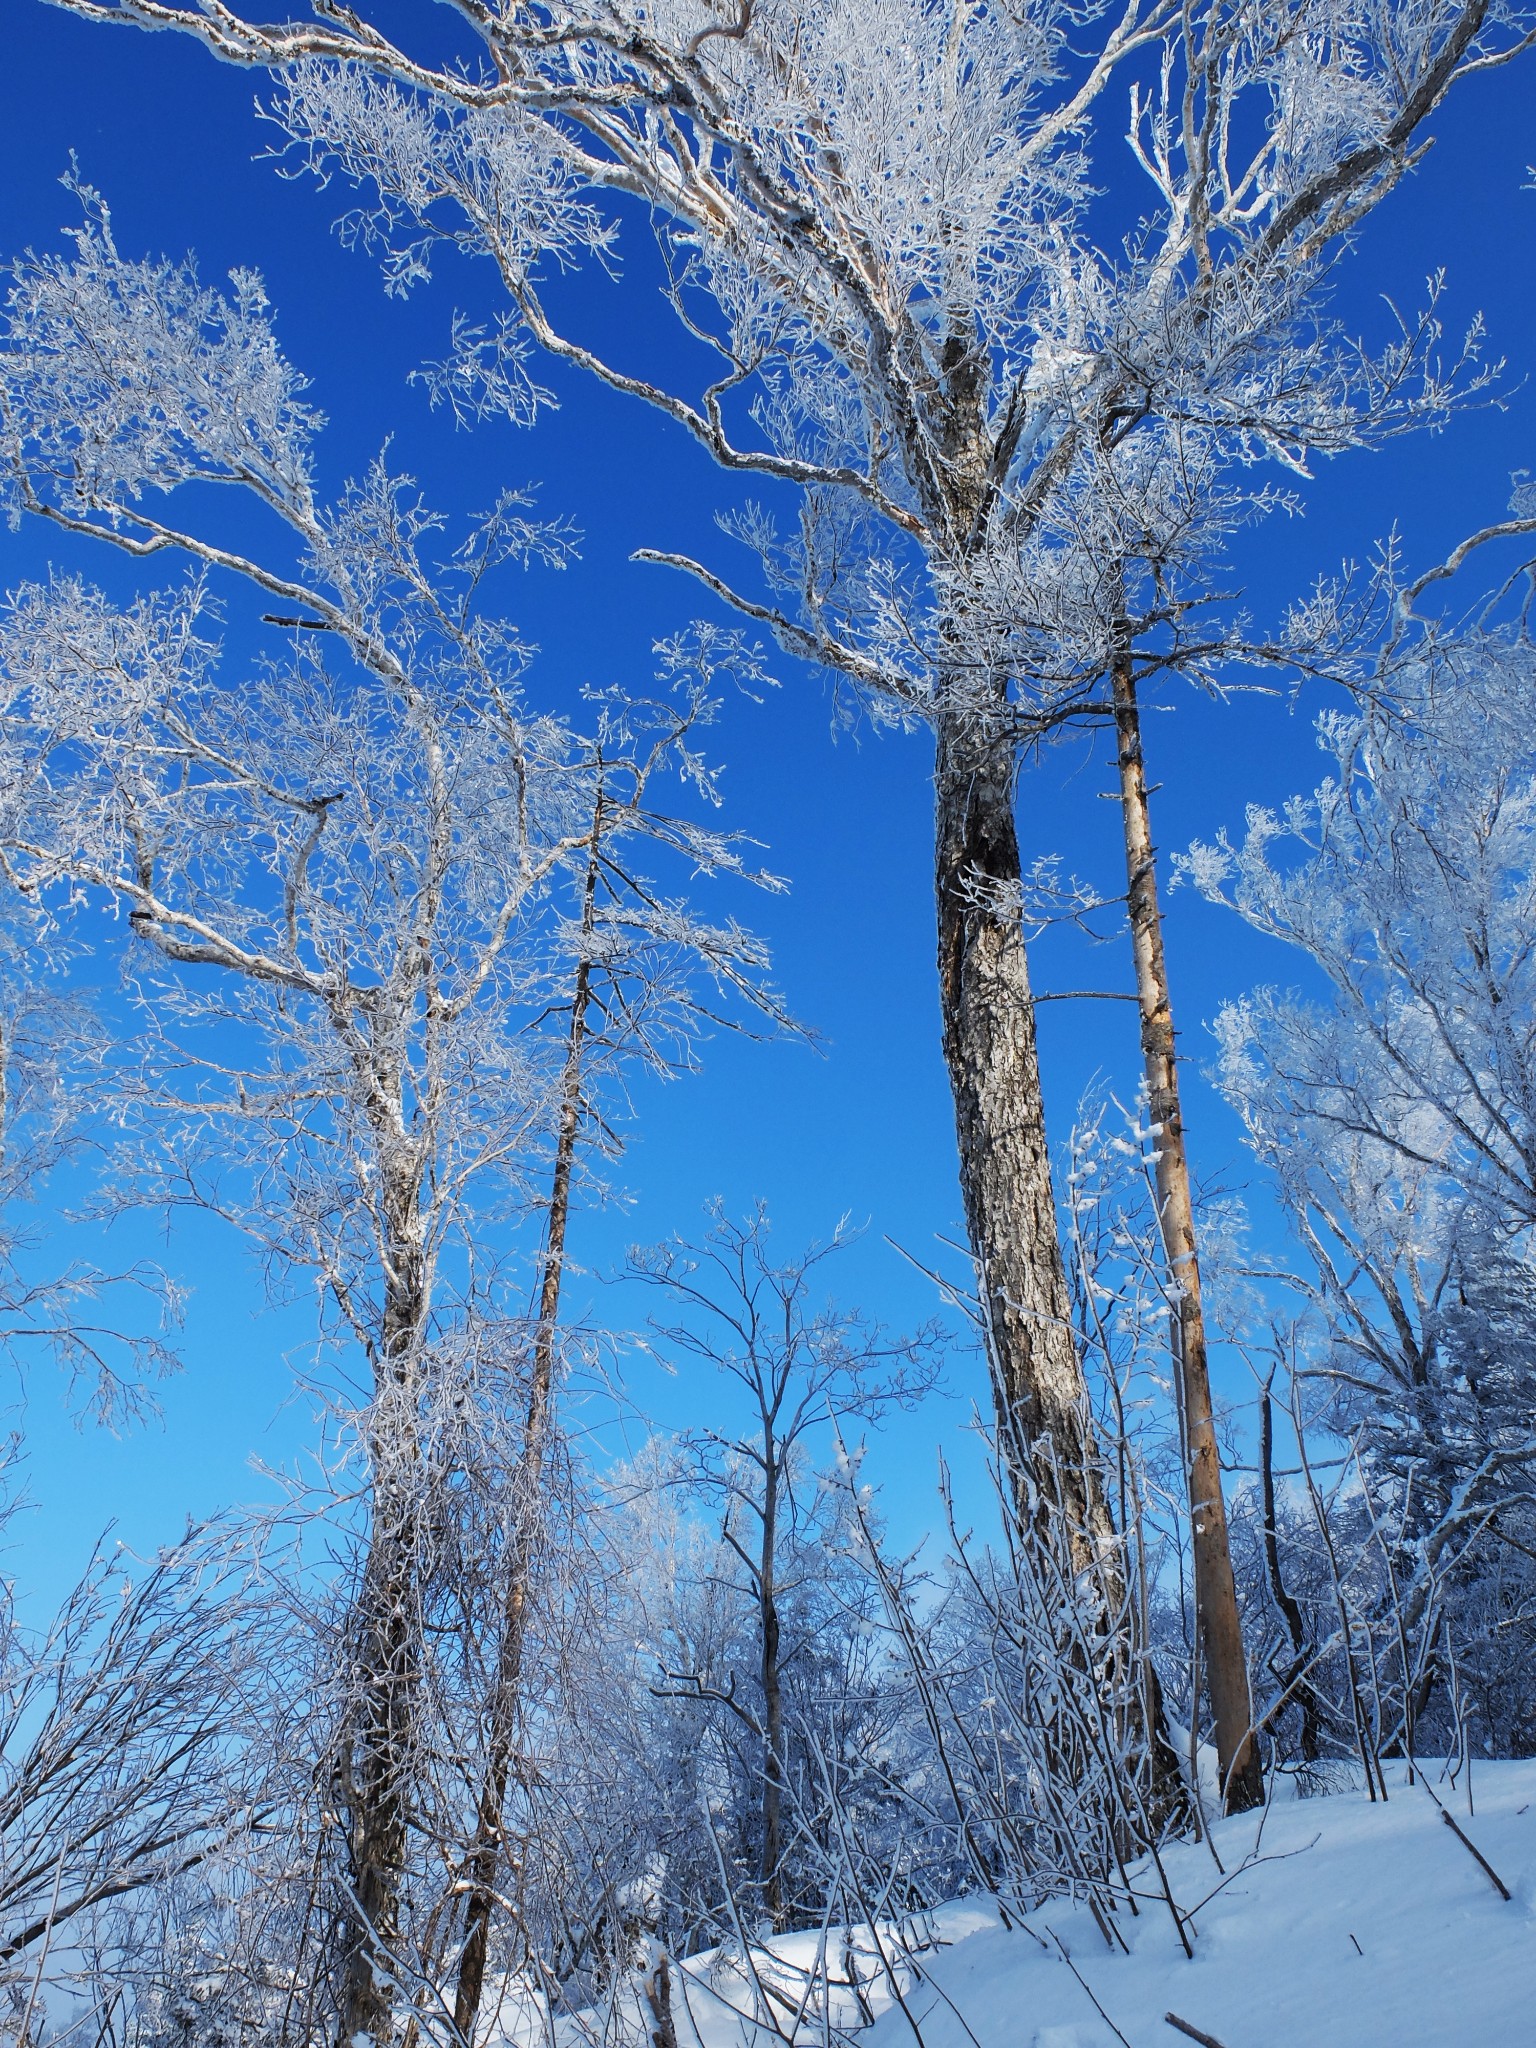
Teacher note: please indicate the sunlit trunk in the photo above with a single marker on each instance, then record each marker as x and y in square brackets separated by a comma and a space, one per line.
[1005, 1174]
[1221, 1633]
[1044, 1417]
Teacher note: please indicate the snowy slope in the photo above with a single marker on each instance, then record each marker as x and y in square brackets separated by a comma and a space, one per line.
[1342, 1924]
[1334, 1923]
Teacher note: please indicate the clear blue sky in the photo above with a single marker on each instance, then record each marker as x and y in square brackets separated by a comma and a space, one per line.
[863, 1125]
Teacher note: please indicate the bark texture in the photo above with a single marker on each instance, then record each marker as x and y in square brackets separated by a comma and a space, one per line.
[1221, 1634]
[1045, 1424]
[1005, 1171]
[377, 1768]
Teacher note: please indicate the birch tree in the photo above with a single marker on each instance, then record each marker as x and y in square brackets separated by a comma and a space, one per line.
[341, 884]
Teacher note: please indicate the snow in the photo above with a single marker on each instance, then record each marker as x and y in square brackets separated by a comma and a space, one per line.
[1335, 1923]
[1341, 1924]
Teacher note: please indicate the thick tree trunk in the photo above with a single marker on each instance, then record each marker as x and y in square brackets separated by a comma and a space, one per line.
[484, 1859]
[375, 1790]
[1221, 1633]
[1041, 1397]
[1044, 1416]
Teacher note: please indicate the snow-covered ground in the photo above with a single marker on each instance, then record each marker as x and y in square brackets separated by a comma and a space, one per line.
[1340, 1924]
[1333, 1923]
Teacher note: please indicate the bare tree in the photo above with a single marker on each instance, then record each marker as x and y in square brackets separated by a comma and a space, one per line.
[803, 1368]
[343, 885]
[126, 1751]
[626, 1002]
[485, 1854]
[1396, 1114]
[1017, 451]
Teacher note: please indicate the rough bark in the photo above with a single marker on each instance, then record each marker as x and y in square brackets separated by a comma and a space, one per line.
[1220, 1625]
[1044, 1421]
[375, 1788]
[484, 1859]
[1005, 1173]
[658, 1996]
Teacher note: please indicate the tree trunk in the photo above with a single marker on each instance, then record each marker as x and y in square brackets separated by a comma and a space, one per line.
[1221, 1633]
[377, 1771]
[484, 1858]
[1038, 1387]
[773, 1699]
[1289, 1606]
[1044, 1419]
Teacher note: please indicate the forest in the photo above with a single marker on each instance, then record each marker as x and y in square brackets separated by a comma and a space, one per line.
[768, 1023]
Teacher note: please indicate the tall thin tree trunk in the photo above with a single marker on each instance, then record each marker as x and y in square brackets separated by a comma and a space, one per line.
[485, 1853]
[376, 1795]
[1220, 1626]
[773, 1696]
[1286, 1601]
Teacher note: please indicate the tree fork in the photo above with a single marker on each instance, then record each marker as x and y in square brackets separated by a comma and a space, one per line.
[1221, 1631]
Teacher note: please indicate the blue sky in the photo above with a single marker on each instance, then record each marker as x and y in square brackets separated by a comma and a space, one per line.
[861, 1125]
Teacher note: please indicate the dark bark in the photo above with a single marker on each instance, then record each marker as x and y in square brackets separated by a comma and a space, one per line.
[1221, 1632]
[773, 1694]
[658, 1996]
[1038, 1387]
[1285, 1600]
[376, 1775]
[1044, 1420]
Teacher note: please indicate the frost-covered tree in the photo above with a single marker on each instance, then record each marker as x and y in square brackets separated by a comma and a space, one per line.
[799, 1367]
[357, 890]
[629, 997]
[1013, 444]
[128, 1748]
[688, 1713]
[108, 1331]
[1396, 1107]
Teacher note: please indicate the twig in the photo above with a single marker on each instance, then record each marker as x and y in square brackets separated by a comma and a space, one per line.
[1469, 1845]
[1252, 1862]
[1077, 1973]
[42, 1959]
[1194, 2033]
[1088, 995]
